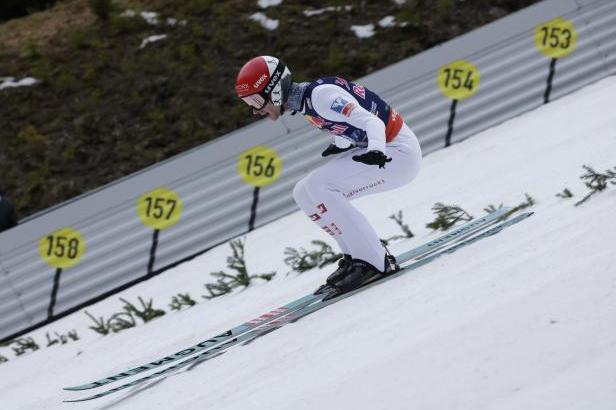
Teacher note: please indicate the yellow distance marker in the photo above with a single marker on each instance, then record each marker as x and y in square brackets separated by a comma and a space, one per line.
[159, 209]
[458, 80]
[556, 38]
[62, 248]
[259, 166]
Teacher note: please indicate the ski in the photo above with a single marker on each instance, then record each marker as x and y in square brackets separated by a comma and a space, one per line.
[307, 309]
[288, 308]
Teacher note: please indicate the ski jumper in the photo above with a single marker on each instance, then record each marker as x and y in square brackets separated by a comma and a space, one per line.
[355, 117]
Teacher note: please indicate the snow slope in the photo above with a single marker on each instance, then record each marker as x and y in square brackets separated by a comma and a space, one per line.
[522, 320]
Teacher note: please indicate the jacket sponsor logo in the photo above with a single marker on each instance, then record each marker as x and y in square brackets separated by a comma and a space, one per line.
[360, 91]
[260, 81]
[348, 109]
[342, 106]
[373, 107]
[342, 82]
[317, 121]
[371, 185]
[322, 209]
[338, 129]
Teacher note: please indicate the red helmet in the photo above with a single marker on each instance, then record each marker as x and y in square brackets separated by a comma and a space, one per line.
[263, 79]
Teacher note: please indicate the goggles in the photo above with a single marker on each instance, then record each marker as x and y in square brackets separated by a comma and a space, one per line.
[255, 101]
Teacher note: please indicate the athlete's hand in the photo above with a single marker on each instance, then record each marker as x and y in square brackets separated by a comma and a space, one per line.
[332, 149]
[373, 157]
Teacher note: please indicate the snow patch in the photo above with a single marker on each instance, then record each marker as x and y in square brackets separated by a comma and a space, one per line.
[152, 39]
[363, 31]
[152, 18]
[266, 22]
[9, 82]
[268, 3]
[172, 22]
[388, 21]
[310, 13]
[399, 2]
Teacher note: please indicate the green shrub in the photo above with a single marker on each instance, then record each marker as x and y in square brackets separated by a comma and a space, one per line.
[447, 216]
[180, 300]
[226, 282]
[596, 181]
[302, 260]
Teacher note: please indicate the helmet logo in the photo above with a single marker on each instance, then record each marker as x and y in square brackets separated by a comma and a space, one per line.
[273, 81]
[260, 80]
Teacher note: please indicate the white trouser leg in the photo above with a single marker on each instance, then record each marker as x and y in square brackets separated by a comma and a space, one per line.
[325, 194]
[306, 203]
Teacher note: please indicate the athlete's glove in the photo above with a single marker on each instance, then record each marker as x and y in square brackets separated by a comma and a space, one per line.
[373, 157]
[332, 149]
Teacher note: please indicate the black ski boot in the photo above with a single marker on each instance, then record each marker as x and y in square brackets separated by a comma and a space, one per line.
[359, 273]
[343, 265]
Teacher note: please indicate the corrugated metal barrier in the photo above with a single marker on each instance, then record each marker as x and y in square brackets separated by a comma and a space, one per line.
[90, 247]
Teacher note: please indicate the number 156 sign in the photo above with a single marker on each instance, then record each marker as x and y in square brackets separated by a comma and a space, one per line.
[259, 166]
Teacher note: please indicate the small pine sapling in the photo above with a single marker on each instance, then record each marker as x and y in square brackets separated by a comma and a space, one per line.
[101, 326]
[220, 287]
[596, 181]
[226, 282]
[447, 216]
[565, 194]
[23, 345]
[146, 313]
[407, 234]
[120, 321]
[3, 359]
[528, 203]
[116, 323]
[61, 338]
[491, 208]
[302, 260]
[180, 300]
